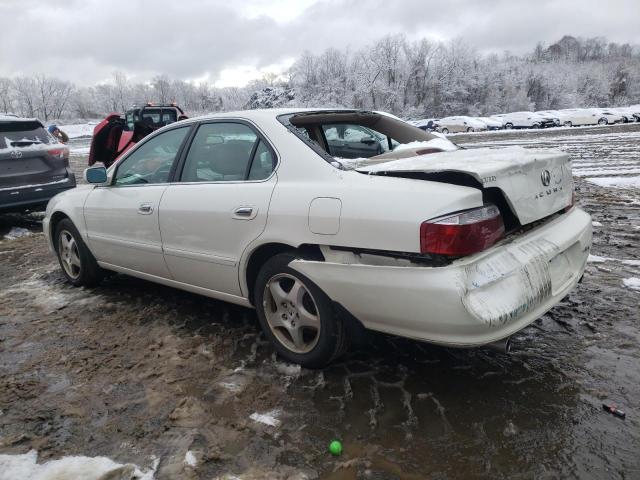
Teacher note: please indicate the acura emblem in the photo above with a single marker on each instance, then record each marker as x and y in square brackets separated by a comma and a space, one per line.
[545, 176]
[16, 154]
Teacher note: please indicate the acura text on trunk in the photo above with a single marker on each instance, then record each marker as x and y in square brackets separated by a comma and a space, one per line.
[279, 210]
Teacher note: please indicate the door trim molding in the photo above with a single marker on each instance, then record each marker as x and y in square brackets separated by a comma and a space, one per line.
[200, 257]
[145, 247]
[226, 297]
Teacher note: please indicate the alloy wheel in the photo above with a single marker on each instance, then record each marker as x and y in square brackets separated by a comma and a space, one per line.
[69, 254]
[292, 313]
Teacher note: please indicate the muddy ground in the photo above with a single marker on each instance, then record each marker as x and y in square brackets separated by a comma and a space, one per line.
[139, 372]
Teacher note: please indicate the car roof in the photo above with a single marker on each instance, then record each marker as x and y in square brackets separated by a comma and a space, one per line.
[269, 114]
[9, 117]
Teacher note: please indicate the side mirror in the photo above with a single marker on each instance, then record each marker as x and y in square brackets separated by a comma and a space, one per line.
[96, 175]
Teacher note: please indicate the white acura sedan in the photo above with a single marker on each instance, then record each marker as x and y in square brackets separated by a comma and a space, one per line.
[327, 221]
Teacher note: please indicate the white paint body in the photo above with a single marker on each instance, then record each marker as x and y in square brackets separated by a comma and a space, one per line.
[460, 124]
[191, 239]
[521, 119]
[582, 116]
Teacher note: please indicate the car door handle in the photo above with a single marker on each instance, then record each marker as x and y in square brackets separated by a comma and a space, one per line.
[145, 209]
[244, 213]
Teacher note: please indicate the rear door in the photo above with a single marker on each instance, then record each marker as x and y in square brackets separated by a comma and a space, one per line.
[29, 155]
[219, 206]
[122, 218]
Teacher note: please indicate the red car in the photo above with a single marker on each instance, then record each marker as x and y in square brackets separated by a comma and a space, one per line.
[116, 134]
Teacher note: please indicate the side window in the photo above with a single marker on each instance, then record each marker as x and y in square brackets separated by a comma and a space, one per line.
[262, 164]
[152, 161]
[220, 152]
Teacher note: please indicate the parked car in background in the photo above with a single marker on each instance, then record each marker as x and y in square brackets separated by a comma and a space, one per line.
[610, 115]
[521, 120]
[585, 116]
[491, 123]
[548, 120]
[451, 246]
[117, 133]
[34, 166]
[558, 116]
[625, 112]
[459, 124]
[530, 120]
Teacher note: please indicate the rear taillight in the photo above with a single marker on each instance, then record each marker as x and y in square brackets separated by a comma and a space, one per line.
[60, 152]
[462, 233]
[573, 202]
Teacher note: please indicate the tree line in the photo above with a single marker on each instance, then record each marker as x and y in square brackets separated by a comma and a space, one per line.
[412, 79]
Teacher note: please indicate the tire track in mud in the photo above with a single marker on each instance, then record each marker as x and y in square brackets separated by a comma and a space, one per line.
[136, 371]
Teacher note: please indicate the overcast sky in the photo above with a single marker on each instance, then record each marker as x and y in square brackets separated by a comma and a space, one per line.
[231, 42]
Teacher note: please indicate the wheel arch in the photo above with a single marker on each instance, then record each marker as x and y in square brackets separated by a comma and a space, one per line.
[56, 218]
[264, 252]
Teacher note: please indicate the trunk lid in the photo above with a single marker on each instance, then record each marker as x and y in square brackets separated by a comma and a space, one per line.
[535, 183]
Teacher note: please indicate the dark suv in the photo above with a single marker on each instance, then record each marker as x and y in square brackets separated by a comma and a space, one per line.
[34, 166]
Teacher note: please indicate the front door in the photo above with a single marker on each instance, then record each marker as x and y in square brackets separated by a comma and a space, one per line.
[122, 218]
[218, 206]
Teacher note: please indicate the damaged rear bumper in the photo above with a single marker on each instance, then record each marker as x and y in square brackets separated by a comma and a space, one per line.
[472, 302]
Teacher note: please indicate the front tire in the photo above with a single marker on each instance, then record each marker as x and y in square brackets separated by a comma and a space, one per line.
[509, 126]
[603, 121]
[76, 260]
[445, 131]
[296, 315]
[470, 129]
[568, 124]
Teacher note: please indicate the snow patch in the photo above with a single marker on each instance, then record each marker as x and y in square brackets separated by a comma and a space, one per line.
[35, 185]
[596, 224]
[633, 283]
[441, 143]
[616, 182]
[269, 418]
[190, 459]
[25, 466]
[599, 259]
[17, 232]
[288, 369]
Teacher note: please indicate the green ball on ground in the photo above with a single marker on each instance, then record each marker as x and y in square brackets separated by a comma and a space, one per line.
[335, 447]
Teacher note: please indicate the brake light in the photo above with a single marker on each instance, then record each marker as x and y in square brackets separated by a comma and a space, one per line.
[463, 233]
[59, 152]
[573, 202]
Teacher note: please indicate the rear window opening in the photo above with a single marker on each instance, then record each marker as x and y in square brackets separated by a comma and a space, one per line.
[351, 138]
[23, 134]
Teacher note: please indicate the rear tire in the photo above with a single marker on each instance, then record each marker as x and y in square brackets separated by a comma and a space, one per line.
[76, 260]
[469, 129]
[603, 121]
[509, 126]
[568, 124]
[296, 315]
[445, 131]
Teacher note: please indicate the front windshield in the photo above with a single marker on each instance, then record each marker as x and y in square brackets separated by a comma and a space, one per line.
[353, 139]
